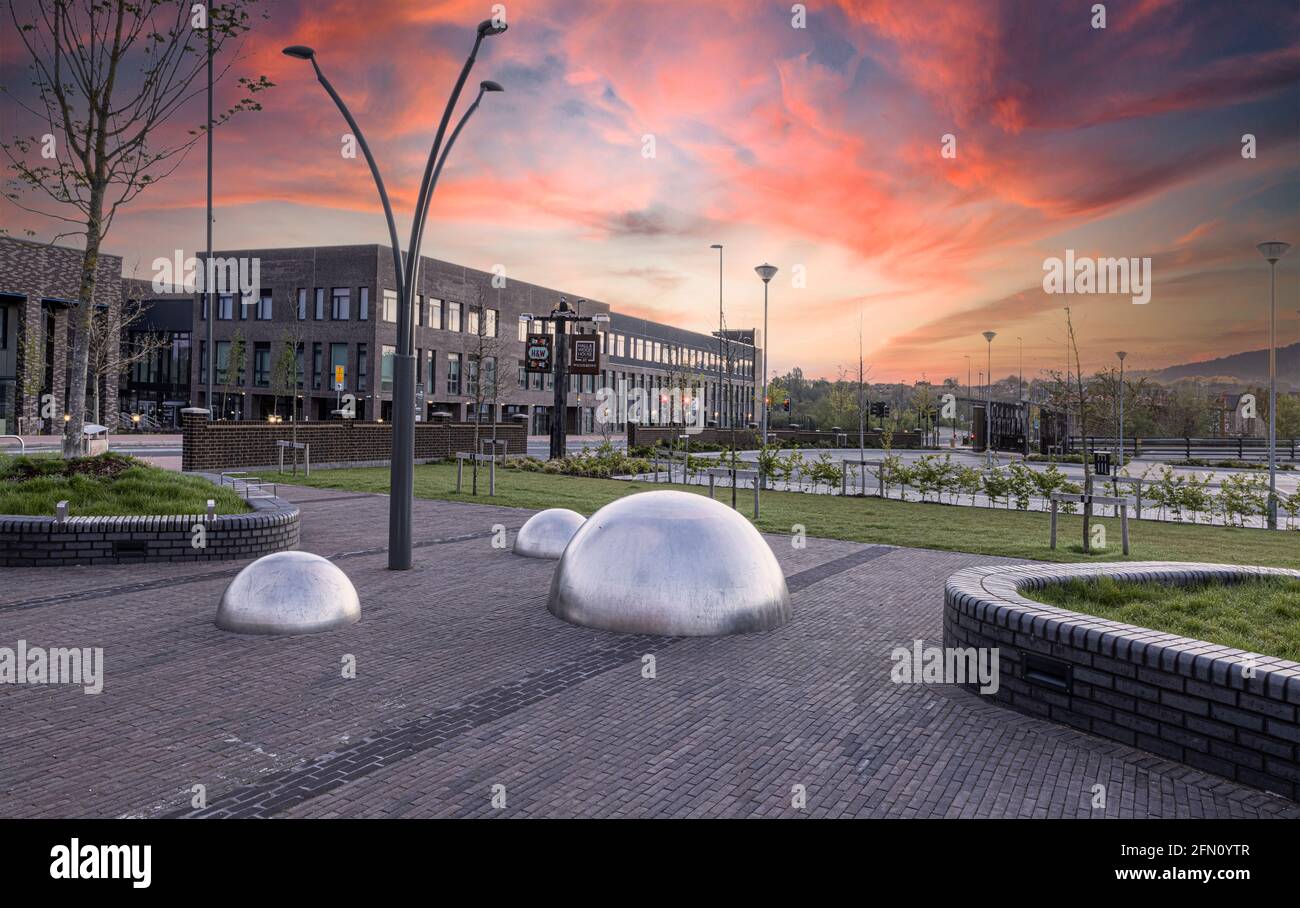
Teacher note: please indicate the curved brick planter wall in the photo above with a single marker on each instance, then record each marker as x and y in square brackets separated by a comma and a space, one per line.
[44, 542]
[1184, 699]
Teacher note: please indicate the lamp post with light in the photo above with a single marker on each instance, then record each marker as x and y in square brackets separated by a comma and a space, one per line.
[988, 401]
[766, 272]
[402, 475]
[1121, 354]
[1272, 251]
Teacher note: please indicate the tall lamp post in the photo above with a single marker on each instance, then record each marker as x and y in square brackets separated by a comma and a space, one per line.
[1121, 354]
[1272, 251]
[562, 315]
[766, 272]
[968, 389]
[720, 402]
[988, 401]
[402, 473]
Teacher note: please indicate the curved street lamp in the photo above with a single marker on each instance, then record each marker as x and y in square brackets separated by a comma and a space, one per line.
[766, 272]
[401, 483]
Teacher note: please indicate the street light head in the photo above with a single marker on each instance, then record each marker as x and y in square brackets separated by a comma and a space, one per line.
[766, 272]
[1273, 250]
[489, 27]
[300, 51]
[1121, 354]
[716, 246]
[989, 335]
[489, 85]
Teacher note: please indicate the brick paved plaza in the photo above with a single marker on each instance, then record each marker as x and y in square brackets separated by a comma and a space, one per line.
[464, 681]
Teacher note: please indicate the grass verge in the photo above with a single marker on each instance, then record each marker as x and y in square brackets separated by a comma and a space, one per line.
[1261, 616]
[110, 485]
[983, 531]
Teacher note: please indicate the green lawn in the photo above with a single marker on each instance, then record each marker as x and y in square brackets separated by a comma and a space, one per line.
[1261, 616]
[933, 526]
[111, 485]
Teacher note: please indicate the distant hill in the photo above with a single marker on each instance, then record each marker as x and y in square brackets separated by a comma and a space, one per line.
[1248, 367]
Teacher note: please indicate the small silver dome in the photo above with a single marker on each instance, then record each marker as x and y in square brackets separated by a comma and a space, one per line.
[547, 533]
[670, 563]
[288, 593]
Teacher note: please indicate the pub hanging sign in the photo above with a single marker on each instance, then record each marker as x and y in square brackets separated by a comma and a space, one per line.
[538, 351]
[584, 354]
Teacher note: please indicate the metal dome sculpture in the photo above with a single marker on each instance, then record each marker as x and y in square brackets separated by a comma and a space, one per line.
[670, 563]
[546, 533]
[288, 593]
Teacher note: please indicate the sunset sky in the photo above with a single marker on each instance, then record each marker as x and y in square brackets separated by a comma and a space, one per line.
[817, 147]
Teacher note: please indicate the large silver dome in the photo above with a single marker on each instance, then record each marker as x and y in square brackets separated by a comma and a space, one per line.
[547, 533]
[670, 563]
[288, 593]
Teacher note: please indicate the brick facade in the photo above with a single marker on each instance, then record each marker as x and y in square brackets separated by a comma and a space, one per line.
[36, 280]
[216, 446]
[1183, 699]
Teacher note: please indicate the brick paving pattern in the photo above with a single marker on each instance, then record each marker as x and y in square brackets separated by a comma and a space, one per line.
[465, 682]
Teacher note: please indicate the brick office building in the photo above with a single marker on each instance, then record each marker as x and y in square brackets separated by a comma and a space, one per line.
[337, 305]
[39, 286]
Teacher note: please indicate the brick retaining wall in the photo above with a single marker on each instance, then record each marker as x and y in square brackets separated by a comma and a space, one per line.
[44, 542]
[216, 446]
[1181, 698]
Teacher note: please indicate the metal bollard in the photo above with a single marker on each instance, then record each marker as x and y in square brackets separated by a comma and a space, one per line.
[460, 466]
[61, 512]
[212, 508]
[492, 476]
[1054, 504]
[756, 484]
[711, 480]
[1123, 524]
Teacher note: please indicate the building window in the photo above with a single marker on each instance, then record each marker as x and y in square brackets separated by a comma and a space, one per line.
[453, 316]
[419, 310]
[262, 365]
[490, 325]
[387, 355]
[320, 304]
[390, 305]
[225, 307]
[523, 331]
[430, 376]
[341, 304]
[435, 313]
[223, 360]
[339, 357]
[363, 366]
[472, 320]
[264, 306]
[363, 304]
[302, 304]
[523, 378]
[315, 366]
[453, 373]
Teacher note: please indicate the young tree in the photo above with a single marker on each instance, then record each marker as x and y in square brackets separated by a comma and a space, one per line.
[236, 356]
[484, 385]
[284, 374]
[1081, 400]
[107, 77]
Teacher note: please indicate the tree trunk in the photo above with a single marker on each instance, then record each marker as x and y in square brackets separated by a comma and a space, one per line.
[85, 312]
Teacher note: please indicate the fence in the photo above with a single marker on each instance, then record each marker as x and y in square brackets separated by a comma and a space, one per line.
[1240, 448]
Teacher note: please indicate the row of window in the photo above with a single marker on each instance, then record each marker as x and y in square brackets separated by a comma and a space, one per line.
[445, 315]
[653, 351]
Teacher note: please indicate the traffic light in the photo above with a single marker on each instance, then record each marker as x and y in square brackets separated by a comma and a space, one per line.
[786, 405]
